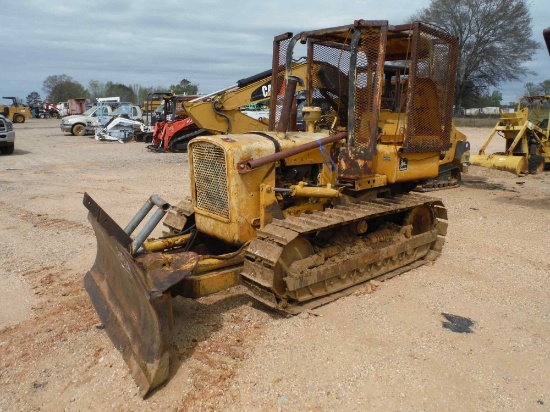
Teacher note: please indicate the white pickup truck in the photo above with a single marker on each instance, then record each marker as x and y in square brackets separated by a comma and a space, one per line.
[7, 136]
[85, 123]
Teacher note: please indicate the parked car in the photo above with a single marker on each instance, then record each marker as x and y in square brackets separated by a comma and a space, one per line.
[85, 123]
[76, 124]
[7, 136]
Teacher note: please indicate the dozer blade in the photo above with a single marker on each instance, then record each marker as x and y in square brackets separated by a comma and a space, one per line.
[135, 308]
[512, 164]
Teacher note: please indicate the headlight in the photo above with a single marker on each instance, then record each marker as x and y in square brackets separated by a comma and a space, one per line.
[9, 126]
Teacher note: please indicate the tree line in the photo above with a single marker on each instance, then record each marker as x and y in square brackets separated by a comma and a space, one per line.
[532, 89]
[60, 88]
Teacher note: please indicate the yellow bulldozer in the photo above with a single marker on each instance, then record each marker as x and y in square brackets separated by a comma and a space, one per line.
[526, 136]
[298, 218]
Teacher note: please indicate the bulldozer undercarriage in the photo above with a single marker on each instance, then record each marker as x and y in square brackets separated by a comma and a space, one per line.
[288, 268]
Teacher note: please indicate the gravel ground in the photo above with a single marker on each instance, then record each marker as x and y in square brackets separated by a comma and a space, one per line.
[469, 332]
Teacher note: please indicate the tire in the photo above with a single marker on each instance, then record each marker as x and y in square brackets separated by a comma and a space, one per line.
[18, 118]
[536, 164]
[78, 130]
[7, 150]
[41, 116]
[179, 141]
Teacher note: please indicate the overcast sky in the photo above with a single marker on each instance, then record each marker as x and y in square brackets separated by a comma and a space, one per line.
[209, 42]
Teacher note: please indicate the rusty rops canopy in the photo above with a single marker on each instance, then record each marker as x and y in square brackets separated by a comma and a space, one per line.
[347, 68]
[430, 94]
[280, 46]
[546, 35]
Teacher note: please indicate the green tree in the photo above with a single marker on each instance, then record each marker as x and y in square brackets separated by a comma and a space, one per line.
[492, 100]
[125, 93]
[544, 87]
[142, 92]
[52, 81]
[531, 89]
[185, 87]
[494, 40]
[96, 89]
[33, 99]
[67, 90]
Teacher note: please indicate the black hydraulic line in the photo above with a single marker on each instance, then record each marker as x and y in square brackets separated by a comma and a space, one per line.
[252, 79]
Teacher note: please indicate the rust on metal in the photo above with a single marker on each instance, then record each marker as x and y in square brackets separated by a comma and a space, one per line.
[158, 245]
[106, 221]
[280, 45]
[289, 98]
[430, 90]
[312, 279]
[367, 24]
[136, 314]
[367, 63]
[166, 270]
[249, 165]
[355, 162]
[333, 33]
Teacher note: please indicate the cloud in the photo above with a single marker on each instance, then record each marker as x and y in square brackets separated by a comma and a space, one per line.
[212, 43]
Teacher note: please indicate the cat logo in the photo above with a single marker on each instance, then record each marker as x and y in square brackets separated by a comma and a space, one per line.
[403, 164]
[262, 92]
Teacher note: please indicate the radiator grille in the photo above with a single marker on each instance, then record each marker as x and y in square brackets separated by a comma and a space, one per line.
[210, 174]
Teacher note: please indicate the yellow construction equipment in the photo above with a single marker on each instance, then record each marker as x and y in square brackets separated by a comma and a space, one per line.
[452, 164]
[526, 132]
[221, 112]
[299, 218]
[15, 112]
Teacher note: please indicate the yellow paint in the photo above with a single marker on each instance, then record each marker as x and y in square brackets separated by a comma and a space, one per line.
[418, 165]
[512, 164]
[196, 286]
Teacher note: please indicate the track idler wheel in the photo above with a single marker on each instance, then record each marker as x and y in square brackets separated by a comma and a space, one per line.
[297, 249]
[421, 218]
